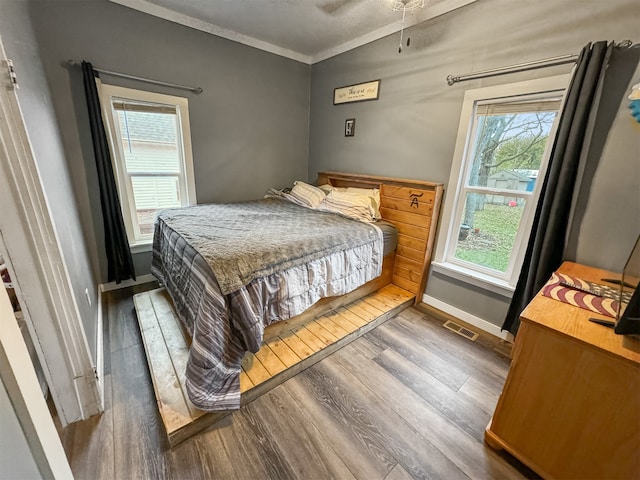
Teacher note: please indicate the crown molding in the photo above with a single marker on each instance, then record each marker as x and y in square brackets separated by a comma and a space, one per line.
[188, 21]
[429, 12]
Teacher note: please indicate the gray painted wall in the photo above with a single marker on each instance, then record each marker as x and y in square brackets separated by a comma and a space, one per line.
[56, 174]
[16, 459]
[608, 220]
[258, 121]
[249, 129]
[411, 130]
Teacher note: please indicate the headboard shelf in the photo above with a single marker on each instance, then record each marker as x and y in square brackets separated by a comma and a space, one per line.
[413, 206]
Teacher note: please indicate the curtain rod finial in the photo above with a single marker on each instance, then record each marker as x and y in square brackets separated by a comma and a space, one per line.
[451, 79]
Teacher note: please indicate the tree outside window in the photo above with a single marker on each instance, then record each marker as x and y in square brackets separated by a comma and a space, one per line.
[509, 144]
[504, 139]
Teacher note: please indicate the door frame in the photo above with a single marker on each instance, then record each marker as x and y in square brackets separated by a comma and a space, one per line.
[20, 380]
[32, 249]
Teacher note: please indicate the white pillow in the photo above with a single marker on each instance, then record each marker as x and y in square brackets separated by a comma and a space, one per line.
[374, 193]
[307, 194]
[330, 188]
[351, 205]
[326, 188]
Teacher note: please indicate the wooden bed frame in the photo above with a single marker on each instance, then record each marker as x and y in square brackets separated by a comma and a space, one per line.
[411, 205]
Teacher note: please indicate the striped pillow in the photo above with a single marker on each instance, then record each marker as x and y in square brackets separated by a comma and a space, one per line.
[326, 188]
[374, 193]
[359, 207]
[307, 194]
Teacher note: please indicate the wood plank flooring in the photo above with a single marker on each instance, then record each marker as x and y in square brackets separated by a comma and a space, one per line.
[281, 357]
[407, 400]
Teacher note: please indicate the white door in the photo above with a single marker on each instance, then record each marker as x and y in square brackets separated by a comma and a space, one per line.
[29, 443]
[31, 245]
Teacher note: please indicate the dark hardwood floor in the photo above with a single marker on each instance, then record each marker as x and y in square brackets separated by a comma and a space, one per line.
[409, 399]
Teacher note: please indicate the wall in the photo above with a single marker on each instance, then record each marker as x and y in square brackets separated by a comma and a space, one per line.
[411, 130]
[249, 128]
[16, 459]
[607, 222]
[77, 244]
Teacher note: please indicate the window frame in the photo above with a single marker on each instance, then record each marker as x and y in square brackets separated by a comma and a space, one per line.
[444, 260]
[124, 184]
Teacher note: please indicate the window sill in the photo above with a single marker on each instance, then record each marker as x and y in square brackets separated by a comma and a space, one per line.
[474, 278]
[141, 247]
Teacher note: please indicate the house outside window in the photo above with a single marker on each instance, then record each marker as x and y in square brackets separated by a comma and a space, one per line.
[504, 140]
[150, 145]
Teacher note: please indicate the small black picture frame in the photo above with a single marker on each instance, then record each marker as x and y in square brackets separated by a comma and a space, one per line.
[350, 127]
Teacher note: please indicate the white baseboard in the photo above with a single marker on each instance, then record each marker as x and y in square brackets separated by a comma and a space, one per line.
[107, 287]
[468, 317]
[100, 351]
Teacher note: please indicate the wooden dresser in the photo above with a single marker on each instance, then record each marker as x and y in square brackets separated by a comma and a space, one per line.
[570, 407]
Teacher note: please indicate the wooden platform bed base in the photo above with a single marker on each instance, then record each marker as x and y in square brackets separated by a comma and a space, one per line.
[293, 345]
[281, 357]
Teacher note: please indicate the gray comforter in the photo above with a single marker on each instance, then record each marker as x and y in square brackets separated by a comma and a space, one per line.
[233, 269]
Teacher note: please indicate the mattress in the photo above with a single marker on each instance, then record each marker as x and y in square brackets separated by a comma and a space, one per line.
[389, 236]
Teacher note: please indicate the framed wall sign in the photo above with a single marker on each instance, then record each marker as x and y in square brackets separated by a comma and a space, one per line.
[350, 127]
[360, 92]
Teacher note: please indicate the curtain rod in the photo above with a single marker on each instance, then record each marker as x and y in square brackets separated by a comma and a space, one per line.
[196, 90]
[521, 67]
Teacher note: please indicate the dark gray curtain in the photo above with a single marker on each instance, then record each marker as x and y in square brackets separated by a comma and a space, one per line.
[545, 250]
[119, 260]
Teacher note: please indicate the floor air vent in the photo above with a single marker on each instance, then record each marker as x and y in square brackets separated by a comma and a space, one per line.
[460, 330]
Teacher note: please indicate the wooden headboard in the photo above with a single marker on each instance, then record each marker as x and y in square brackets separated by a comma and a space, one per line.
[413, 206]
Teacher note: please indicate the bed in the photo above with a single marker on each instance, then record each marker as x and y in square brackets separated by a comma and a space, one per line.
[212, 345]
[234, 269]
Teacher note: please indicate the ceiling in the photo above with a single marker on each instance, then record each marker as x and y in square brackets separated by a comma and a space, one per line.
[308, 31]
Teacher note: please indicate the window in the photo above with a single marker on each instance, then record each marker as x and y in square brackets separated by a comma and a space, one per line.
[151, 153]
[504, 140]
